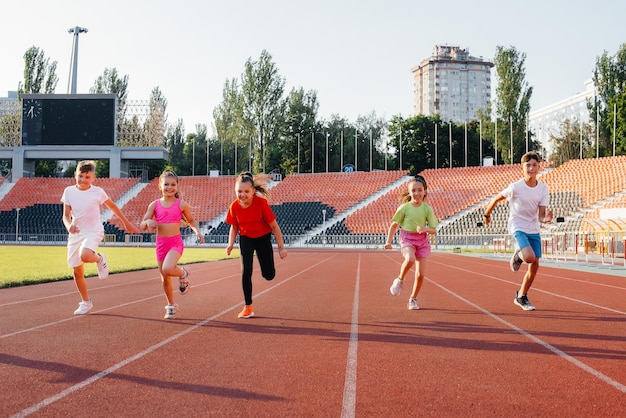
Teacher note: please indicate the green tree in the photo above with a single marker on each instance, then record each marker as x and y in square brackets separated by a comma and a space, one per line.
[371, 132]
[154, 126]
[234, 132]
[567, 143]
[264, 106]
[415, 138]
[512, 104]
[39, 77]
[195, 151]
[300, 120]
[175, 144]
[609, 78]
[47, 168]
[111, 82]
[39, 73]
[428, 142]
[341, 142]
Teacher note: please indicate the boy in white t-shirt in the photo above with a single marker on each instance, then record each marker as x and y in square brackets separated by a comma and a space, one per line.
[528, 201]
[81, 217]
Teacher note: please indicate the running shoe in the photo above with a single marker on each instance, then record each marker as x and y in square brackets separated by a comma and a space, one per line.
[170, 311]
[248, 312]
[103, 268]
[396, 287]
[413, 304]
[523, 302]
[516, 261]
[83, 307]
[183, 282]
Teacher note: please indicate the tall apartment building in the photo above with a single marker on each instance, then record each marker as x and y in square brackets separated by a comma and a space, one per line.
[452, 84]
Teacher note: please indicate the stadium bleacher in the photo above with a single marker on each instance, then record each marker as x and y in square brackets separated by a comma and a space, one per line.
[578, 190]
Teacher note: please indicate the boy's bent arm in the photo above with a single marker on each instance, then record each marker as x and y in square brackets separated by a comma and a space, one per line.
[545, 215]
[113, 207]
[493, 203]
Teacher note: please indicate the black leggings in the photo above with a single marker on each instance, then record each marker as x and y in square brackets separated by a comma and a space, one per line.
[265, 254]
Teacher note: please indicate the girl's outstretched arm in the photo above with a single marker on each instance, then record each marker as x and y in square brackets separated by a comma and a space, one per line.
[279, 238]
[130, 227]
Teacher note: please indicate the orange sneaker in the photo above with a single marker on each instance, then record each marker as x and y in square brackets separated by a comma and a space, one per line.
[247, 312]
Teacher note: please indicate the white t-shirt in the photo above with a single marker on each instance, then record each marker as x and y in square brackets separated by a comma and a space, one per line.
[85, 206]
[524, 202]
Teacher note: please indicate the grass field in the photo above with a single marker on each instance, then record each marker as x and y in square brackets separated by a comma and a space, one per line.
[23, 265]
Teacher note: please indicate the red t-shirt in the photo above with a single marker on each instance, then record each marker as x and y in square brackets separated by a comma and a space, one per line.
[253, 221]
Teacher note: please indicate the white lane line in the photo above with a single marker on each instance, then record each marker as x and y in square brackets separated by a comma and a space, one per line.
[96, 289]
[74, 292]
[121, 305]
[617, 385]
[348, 408]
[36, 407]
[537, 289]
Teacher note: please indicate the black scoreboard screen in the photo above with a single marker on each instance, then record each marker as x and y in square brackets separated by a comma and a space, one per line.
[68, 119]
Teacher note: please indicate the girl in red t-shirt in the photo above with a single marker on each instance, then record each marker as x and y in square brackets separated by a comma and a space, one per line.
[251, 217]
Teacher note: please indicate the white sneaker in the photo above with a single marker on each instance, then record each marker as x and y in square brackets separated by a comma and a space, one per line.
[170, 311]
[523, 302]
[83, 307]
[103, 268]
[516, 261]
[412, 304]
[396, 287]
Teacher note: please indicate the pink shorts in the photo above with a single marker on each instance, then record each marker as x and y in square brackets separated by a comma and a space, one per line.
[419, 241]
[166, 244]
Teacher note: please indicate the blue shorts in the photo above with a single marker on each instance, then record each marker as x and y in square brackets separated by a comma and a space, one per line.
[524, 240]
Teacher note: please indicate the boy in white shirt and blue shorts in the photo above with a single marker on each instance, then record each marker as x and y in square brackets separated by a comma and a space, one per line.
[528, 201]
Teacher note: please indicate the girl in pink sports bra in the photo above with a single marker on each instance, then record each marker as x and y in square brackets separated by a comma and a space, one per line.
[165, 215]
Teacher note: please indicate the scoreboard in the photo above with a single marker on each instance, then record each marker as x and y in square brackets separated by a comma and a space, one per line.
[69, 119]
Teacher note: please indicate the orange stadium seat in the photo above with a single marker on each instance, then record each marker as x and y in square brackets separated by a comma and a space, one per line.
[574, 185]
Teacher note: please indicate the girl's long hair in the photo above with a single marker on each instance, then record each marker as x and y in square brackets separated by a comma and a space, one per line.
[169, 173]
[405, 197]
[258, 182]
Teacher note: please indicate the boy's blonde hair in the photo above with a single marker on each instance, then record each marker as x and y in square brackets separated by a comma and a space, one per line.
[85, 166]
[531, 155]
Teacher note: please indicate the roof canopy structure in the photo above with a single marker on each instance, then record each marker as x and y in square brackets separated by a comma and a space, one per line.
[604, 225]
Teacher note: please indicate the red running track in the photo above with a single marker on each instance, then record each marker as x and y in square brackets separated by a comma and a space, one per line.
[328, 340]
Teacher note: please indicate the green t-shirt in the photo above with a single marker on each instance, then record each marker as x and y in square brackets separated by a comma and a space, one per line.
[409, 217]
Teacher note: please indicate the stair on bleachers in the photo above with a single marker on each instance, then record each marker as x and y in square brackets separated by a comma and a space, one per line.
[298, 200]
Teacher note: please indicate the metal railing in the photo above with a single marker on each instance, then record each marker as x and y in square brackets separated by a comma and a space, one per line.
[606, 248]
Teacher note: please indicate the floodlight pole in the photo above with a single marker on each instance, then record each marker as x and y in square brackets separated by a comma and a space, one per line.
[74, 64]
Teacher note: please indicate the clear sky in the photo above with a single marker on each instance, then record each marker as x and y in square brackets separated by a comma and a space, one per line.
[357, 54]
